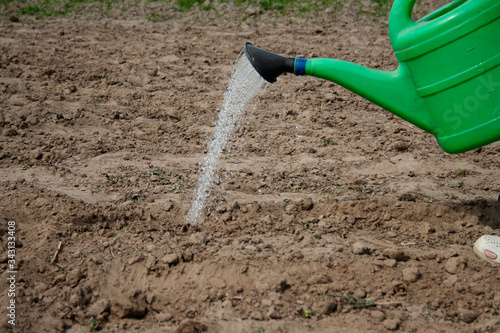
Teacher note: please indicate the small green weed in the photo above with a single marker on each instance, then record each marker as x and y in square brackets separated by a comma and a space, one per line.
[154, 172]
[94, 249]
[309, 314]
[427, 308]
[457, 184]
[324, 104]
[113, 179]
[327, 143]
[177, 187]
[304, 224]
[231, 159]
[356, 302]
[451, 196]
[160, 252]
[94, 325]
[127, 230]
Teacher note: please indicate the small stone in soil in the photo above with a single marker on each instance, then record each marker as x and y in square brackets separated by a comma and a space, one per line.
[171, 259]
[377, 315]
[467, 315]
[397, 254]
[360, 248]
[455, 265]
[307, 204]
[411, 274]
[391, 324]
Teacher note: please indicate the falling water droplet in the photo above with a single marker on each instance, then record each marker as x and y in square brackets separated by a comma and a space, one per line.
[243, 86]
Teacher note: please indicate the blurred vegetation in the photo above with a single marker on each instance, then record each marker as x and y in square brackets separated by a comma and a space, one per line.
[17, 9]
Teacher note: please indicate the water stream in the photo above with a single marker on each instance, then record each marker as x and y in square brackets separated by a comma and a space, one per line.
[245, 83]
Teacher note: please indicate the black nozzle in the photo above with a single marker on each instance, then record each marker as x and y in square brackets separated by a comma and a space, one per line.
[269, 65]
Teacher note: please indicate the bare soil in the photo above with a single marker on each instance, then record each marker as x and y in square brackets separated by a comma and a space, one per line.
[329, 214]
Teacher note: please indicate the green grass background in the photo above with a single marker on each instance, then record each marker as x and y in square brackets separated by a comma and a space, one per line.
[39, 10]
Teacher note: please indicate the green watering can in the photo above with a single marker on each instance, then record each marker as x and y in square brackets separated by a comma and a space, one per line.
[448, 79]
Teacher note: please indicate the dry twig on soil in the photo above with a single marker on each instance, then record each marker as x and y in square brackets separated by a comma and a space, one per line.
[57, 252]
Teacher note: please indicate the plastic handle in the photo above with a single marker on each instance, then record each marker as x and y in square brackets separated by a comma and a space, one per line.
[400, 17]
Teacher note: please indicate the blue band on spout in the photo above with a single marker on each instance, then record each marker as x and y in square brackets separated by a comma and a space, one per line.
[300, 66]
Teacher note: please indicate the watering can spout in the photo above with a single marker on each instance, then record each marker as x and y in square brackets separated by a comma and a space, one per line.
[394, 91]
[269, 65]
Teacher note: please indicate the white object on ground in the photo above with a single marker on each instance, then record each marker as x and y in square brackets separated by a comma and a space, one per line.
[487, 247]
